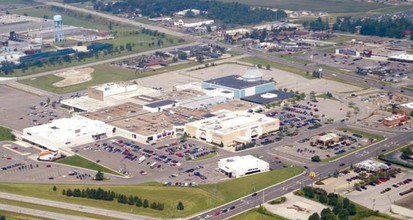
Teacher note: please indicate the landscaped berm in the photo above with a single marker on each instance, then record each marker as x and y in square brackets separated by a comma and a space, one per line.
[194, 199]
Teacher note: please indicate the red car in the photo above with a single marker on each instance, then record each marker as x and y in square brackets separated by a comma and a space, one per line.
[217, 213]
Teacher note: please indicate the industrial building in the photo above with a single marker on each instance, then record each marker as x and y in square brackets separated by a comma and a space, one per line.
[234, 86]
[66, 132]
[192, 23]
[408, 58]
[239, 166]
[230, 128]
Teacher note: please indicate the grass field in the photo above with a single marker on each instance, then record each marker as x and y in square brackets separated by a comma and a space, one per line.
[255, 214]
[264, 63]
[103, 73]
[342, 6]
[324, 96]
[52, 209]
[211, 155]
[5, 134]
[79, 161]
[195, 199]
[3, 2]
[350, 131]
[18, 216]
[409, 87]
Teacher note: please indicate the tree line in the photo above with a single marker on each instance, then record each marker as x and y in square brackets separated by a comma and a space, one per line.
[228, 13]
[107, 195]
[386, 27]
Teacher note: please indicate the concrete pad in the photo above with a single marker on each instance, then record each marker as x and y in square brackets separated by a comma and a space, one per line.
[293, 204]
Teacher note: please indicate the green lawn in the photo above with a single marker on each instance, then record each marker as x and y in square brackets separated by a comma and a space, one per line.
[79, 161]
[211, 155]
[5, 134]
[324, 96]
[69, 17]
[409, 87]
[18, 216]
[255, 214]
[3, 2]
[103, 73]
[264, 63]
[342, 6]
[195, 199]
[350, 131]
[52, 209]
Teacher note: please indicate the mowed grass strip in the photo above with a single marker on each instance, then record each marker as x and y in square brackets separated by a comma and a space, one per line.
[18, 216]
[79, 161]
[104, 73]
[5, 134]
[264, 63]
[52, 209]
[254, 214]
[195, 199]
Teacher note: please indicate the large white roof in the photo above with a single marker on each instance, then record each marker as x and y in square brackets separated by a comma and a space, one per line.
[408, 105]
[242, 162]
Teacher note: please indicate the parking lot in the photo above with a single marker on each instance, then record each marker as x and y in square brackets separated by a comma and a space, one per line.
[167, 162]
[377, 196]
[309, 147]
[24, 109]
[18, 164]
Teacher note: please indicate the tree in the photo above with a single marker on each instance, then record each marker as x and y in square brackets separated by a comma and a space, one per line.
[221, 144]
[343, 214]
[131, 200]
[54, 188]
[180, 206]
[154, 205]
[268, 67]
[139, 202]
[346, 202]
[351, 208]
[48, 100]
[315, 158]
[64, 192]
[200, 58]
[323, 198]
[314, 216]
[145, 203]
[182, 56]
[327, 214]
[208, 28]
[2, 217]
[312, 95]
[259, 66]
[99, 176]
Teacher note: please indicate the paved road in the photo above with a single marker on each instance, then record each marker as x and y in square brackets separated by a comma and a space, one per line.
[40, 213]
[74, 207]
[322, 171]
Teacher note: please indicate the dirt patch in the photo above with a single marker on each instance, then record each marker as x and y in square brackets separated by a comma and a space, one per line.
[73, 77]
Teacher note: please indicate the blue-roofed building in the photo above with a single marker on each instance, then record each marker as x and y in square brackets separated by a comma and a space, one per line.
[235, 86]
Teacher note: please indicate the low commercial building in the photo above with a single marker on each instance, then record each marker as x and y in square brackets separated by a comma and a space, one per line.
[371, 166]
[67, 132]
[231, 129]
[327, 139]
[407, 58]
[239, 166]
[235, 86]
[394, 119]
[407, 108]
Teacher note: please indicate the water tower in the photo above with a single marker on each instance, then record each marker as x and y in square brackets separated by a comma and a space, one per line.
[58, 28]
